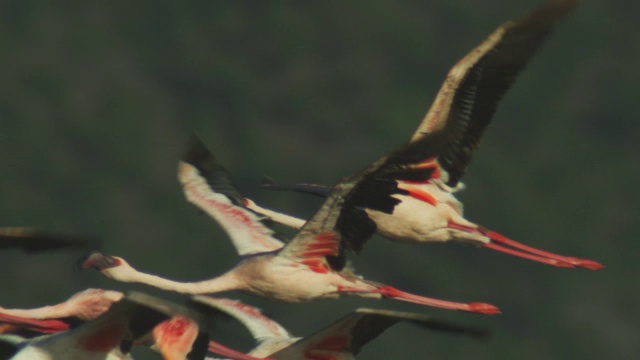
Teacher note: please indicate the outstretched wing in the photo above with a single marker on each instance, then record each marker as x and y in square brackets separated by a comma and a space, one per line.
[349, 334]
[34, 240]
[472, 89]
[208, 185]
[261, 327]
[442, 147]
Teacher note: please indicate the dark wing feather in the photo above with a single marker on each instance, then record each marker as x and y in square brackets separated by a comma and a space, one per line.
[322, 223]
[8, 348]
[350, 333]
[215, 174]
[470, 94]
[443, 144]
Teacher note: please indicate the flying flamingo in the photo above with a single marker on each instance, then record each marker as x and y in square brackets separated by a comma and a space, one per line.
[34, 240]
[98, 339]
[341, 340]
[85, 305]
[408, 195]
[174, 338]
[184, 334]
[295, 272]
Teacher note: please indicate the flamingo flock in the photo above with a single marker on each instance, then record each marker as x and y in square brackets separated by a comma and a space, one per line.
[405, 196]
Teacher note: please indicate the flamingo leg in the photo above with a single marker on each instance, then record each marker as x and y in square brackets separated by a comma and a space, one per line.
[529, 253]
[540, 259]
[393, 293]
[41, 326]
[582, 263]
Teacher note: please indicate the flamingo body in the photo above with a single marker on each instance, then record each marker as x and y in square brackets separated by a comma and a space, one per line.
[426, 201]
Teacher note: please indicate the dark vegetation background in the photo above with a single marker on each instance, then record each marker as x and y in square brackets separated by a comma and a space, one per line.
[97, 102]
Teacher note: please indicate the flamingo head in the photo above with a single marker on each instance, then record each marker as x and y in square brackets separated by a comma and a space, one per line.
[109, 266]
[91, 303]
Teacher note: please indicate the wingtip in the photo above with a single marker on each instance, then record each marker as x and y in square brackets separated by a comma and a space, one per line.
[551, 11]
[196, 152]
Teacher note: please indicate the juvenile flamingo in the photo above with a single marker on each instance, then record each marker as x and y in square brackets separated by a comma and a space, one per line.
[295, 272]
[408, 195]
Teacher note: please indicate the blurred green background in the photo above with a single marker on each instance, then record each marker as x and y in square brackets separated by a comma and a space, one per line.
[97, 101]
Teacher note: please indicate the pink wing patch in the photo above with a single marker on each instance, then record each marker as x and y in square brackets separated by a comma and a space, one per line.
[327, 348]
[417, 193]
[312, 252]
[104, 339]
[430, 163]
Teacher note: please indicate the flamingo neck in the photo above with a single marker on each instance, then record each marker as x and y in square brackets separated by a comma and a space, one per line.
[280, 218]
[45, 312]
[224, 282]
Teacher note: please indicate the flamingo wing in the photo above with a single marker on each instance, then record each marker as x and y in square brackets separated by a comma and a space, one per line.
[34, 240]
[442, 147]
[350, 333]
[10, 345]
[207, 185]
[472, 89]
[317, 244]
[261, 327]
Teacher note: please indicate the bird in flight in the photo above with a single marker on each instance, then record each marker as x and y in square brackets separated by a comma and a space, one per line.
[296, 272]
[408, 195]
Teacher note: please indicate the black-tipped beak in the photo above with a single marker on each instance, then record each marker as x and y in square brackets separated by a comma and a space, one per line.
[97, 260]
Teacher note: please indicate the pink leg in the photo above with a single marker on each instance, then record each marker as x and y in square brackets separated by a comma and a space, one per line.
[583, 263]
[41, 326]
[552, 262]
[393, 293]
[530, 252]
